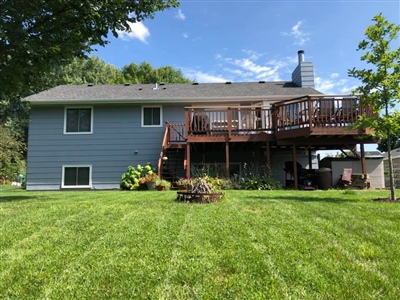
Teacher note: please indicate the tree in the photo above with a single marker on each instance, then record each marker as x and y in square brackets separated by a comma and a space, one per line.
[37, 35]
[10, 155]
[394, 143]
[145, 73]
[88, 70]
[380, 89]
[168, 74]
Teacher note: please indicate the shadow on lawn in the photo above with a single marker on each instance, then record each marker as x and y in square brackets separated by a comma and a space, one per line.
[300, 199]
[15, 198]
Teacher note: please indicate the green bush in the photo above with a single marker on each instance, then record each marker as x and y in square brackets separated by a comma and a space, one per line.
[254, 177]
[132, 179]
[258, 178]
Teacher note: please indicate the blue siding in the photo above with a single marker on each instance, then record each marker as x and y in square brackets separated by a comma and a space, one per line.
[117, 133]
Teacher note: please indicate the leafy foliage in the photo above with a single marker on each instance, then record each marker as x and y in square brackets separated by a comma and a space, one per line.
[11, 157]
[394, 144]
[380, 88]
[97, 71]
[145, 73]
[37, 35]
[134, 177]
[163, 183]
[258, 178]
[14, 115]
[253, 177]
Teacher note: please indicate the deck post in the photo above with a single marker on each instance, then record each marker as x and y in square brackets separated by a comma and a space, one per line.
[309, 159]
[229, 123]
[188, 160]
[363, 162]
[227, 159]
[296, 179]
[311, 112]
[268, 155]
[186, 122]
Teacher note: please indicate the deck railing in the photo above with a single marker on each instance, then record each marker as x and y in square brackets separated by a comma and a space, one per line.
[231, 120]
[319, 111]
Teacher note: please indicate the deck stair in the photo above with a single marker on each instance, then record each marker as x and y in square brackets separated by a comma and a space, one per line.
[173, 164]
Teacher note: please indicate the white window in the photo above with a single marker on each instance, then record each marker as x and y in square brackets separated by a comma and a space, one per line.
[152, 116]
[78, 120]
[77, 176]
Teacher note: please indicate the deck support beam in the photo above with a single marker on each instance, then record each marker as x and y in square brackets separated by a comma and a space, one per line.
[363, 162]
[227, 159]
[309, 159]
[296, 179]
[268, 154]
[188, 160]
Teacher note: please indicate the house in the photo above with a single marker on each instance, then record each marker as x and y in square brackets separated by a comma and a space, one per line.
[85, 136]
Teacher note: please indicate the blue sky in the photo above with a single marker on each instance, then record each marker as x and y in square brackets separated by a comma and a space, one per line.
[218, 41]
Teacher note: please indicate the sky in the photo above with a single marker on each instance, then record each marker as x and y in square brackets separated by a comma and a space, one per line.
[219, 41]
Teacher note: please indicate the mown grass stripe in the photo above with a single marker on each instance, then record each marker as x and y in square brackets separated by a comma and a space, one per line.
[252, 245]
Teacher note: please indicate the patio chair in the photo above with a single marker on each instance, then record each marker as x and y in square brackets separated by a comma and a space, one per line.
[200, 124]
[283, 117]
[250, 120]
[325, 112]
[348, 113]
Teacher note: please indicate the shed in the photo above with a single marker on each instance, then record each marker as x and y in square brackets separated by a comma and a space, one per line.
[374, 162]
[396, 167]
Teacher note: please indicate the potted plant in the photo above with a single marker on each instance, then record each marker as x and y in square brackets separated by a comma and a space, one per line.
[150, 180]
[162, 184]
[183, 183]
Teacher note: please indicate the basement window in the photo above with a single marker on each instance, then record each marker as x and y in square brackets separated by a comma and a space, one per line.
[77, 176]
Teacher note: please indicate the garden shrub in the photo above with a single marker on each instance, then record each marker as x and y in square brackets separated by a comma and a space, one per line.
[132, 179]
[258, 178]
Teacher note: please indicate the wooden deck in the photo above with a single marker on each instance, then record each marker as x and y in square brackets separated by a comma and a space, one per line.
[315, 119]
[309, 123]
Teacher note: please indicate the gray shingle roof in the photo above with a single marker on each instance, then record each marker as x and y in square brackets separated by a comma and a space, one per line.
[178, 92]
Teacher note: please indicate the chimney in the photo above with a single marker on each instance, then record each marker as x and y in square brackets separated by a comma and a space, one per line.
[300, 54]
[303, 75]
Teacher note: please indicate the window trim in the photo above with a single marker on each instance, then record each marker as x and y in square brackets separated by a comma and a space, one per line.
[63, 186]
[161, 115]
[79, 107]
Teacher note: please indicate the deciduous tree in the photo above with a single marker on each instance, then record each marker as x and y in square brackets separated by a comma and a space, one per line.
[37, 35]
[10, 155]
[380, 83]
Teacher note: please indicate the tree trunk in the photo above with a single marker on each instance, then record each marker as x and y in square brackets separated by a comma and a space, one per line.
[391, 173]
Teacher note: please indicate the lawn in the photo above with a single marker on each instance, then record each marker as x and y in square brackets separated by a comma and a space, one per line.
[252, 245]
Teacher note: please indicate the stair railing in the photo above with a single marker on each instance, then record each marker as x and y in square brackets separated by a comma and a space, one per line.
[163, 147]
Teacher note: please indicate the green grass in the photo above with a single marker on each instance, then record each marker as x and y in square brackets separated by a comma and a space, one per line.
[252, 245]
[8, 187]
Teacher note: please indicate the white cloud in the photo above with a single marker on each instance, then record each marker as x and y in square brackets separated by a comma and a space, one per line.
[185, 35]
[253, 55]
[300, 37]
[348, 89]
[333, 85]
[138, 31]
[249, 69]
[334, 75]
[180, 15]
[202, 77]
